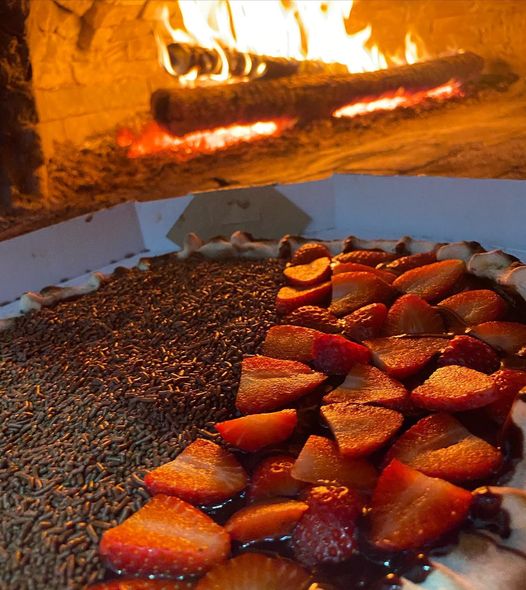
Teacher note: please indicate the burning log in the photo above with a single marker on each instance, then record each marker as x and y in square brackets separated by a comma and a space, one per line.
[181, 111]
[185, 57]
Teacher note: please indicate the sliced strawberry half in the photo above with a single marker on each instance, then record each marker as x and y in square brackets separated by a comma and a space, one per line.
[410, 314]
[272, 478]
[306, 275]
[403, 357]
[359, 429]
[252, 433]
[265, 520]
[255, 571]
[290, 298]
[410, 509]
[352, 290]
[405, 263]
[440, 446]
[509, 337]
[469, 352]
[309, 252]
[294, 343]
[367, 257]
[368, 385]
[340, 267]
[508, 383]
[476, 306]
[335, 355]
[166, 537]
[138, 584]
[317, 318]
[267, 383]
[366, 322]
[327, 532]
[432, 281]
[204, 473]
[455, 389]
[320, 462]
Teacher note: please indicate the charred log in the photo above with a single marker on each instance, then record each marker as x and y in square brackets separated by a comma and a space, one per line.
[185, 58]
[181, 111]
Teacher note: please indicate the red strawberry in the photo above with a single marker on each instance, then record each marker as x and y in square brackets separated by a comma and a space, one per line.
[508, 383]
[265, 520]
[359, 429]
[404, 263]
[432, 281]
[410, 510]
[352, 290]
[310, 252]
[294, 343]
[368, 385]
[166, 537]
[403, 357]
[507, 336]
[255, 571]
[340, 267]
[439, 446]
[455, 389]
[317, 318]
[306, 275]
[366, 322]
[469, 352]
[476, 306]
[272, 477]
[410, 314]
[335, 355]
[290, 298]
[327, 532]
[367, 257]
[320, 462]
[138, 584]
[204, 473]
[267, 383]
[252, 433]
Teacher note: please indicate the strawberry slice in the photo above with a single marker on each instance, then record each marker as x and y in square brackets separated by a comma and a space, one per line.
[204, 473]
[316, 318]
[265, 520]
[410, 314]
[320, 462]
[404, 263]
[476, 306]
[366, 322]
[360, 430]
[470, 352]
[455, 389]
[366, 257]
[166, 537]
[310, 252]
[327, 532]
[439, 446]
[272, 477]
[352, 290]
[335, 355]
[410, 509]
[432, 281]
[509, 337]
[294, 343]
[138, 584]
[252, 433]
[340, 267]
[403, 357]
[508, 383]
[267, 383]
[290, 298]
[306, 275]
[255, 571]
[368, 385]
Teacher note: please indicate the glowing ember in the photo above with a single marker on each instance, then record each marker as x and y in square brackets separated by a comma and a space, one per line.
[153, 139]
[401, 98]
